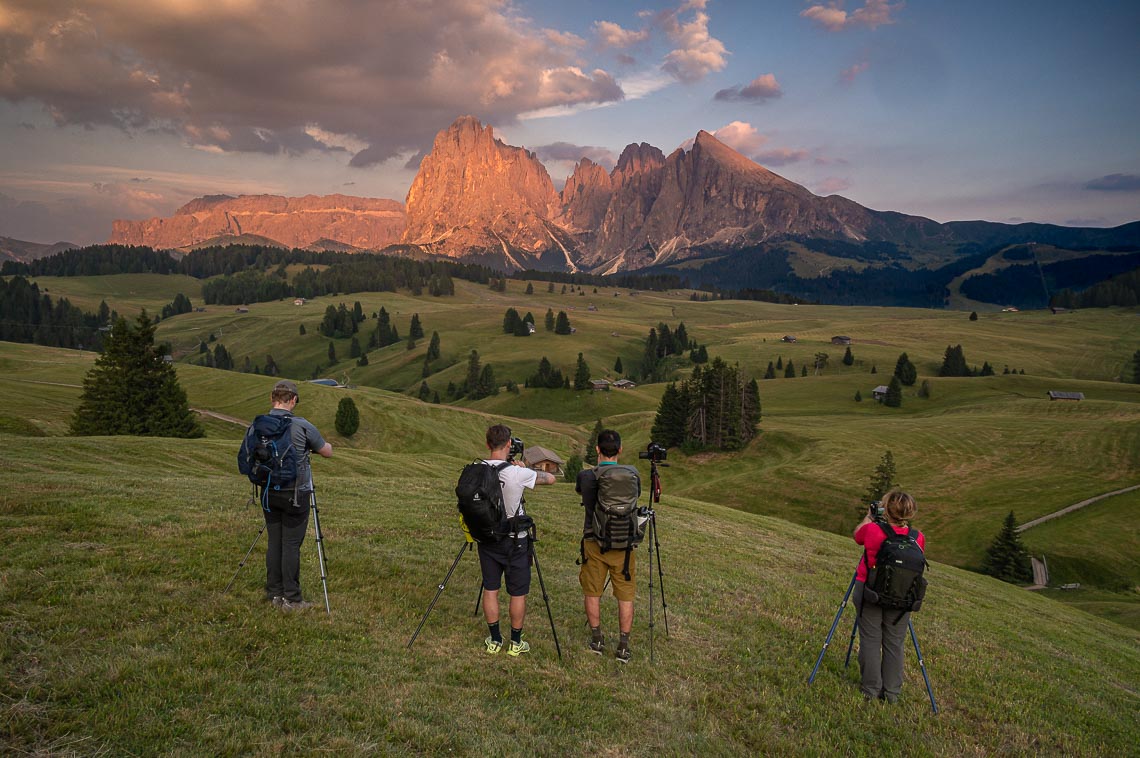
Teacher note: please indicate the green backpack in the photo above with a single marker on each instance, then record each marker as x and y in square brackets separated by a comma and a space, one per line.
[616, 524]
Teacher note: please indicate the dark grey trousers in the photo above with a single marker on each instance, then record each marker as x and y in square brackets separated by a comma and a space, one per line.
[881, 647]
[283, 556]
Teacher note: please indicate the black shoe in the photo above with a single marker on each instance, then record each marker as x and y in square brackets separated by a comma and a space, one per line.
[294, 605]
[623, 653]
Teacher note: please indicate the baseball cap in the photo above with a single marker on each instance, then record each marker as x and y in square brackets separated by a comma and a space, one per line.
[286, 386]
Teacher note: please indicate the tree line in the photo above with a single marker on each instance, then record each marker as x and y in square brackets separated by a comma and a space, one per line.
[31, 316]
[715, 408]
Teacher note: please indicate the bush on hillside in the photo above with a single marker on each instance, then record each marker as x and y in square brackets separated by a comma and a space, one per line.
[347, 417]
[1006, 558]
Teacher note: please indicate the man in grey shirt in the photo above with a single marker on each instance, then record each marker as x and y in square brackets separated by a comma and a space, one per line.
[287, 511]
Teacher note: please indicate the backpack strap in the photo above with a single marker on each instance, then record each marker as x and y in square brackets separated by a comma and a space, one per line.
[625, 566]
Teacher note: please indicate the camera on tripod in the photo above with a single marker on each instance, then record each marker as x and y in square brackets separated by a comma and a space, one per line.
[516, 448]
[654, 452]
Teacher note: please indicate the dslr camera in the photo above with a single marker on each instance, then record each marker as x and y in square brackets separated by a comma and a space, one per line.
[876, 511]
[654, 452]
[516, 448]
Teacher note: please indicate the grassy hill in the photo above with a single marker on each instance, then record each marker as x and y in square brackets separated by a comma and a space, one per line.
[976, 449]
[117, 637]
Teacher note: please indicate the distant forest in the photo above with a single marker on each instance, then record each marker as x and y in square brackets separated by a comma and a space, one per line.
[28, 315]
[1022, 286]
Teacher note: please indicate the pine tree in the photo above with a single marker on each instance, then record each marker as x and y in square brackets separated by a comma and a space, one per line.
[550, 317]
[425, 391]
[987, 369]
[550, 287]
[354, 348]
[582, 374]
[894, 393]
[347, 417]
[1006, 558]
[954, 362]
[858, 396]
[618, 368]
[416, 330]
[790, 371]
[803, 370]
[332, 353]
[433, 347]
[530, 288]
[672, 418]
[848, 358]
[973, 315]
[592, 445]
[780, 363]
[425, 371]
[511, 321]
[562, 323]
[905, 370]
[487, 384]
[882, 480]
[573, 463]
[132, 390]
[301, 330]
[474, 371]
[770, 373]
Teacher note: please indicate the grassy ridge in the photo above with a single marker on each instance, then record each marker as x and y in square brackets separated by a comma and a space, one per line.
[116, 637]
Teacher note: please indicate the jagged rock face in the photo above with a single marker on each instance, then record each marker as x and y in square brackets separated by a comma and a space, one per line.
[357, 222]
[710, 195]
[474, 193]
[586, 197]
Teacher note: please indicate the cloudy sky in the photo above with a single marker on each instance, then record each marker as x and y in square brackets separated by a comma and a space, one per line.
[1016, 110]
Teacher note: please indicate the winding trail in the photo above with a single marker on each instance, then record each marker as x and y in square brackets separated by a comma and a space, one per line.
[1073, 507]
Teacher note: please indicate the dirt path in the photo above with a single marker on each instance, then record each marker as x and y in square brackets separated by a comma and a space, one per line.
[1073, 507]
[221, 417]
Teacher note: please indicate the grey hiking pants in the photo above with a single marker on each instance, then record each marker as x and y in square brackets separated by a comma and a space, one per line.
[881, 647]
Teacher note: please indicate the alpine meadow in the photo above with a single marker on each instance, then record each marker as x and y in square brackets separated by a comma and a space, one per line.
[118, 638]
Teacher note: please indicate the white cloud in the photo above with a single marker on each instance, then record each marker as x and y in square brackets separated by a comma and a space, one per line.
[697, 53]
[613, 35]
[834, 18]
[741, 137]
[763, 87]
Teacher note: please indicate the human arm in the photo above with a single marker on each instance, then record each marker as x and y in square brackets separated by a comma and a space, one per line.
[326, 451]
[544, 477]
[858, 537]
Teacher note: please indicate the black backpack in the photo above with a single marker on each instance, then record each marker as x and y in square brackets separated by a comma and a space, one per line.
[266, 455]
[480, 496]
[896, 582]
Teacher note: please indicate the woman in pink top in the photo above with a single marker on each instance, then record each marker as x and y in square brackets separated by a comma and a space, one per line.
[882, 633]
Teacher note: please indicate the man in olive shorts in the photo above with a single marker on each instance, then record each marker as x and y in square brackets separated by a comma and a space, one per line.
[617, 564]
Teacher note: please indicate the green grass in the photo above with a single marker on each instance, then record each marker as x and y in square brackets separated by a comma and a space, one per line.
[126, 293]
[117, 639]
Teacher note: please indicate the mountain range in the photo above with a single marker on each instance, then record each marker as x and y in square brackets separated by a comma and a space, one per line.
[478, 199]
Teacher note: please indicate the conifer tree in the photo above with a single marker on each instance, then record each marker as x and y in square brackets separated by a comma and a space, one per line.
[416, 329]
[530, 288]
[132, 390]
[1006, 558]
[562, 323]
[780, 363]
[672, 418]
[474, 371]
[487, 384]
[511, 321]
[894, 393]
[905, 370]
[770, 373]
[858, 396]
[954, 362]
[433, 347]
[790, 371]
[550, 317]
[848, 358]
[332, 353]
[347, 417]
[617, 366]
[301, 330]
[592, 444]
[882, 479]
[354, 348]
[582, 374]
[550, 287]
[425, 392]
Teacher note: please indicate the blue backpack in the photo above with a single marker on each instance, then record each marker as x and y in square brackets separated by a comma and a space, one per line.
[266, 455]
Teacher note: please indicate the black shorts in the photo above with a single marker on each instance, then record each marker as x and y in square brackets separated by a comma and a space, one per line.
[509, 556]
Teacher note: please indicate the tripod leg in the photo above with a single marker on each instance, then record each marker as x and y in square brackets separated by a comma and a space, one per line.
[246, 558]
[438, 592]
[838, 614]
[660, 573]
[851, 642]
[545, 599]
[922, 665]
[650, 572]
[320, 548]
[478, 599]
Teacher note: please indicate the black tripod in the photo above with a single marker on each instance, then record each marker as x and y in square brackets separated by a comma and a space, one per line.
[532, 537]
[851, 643]
[320, 546]
[651, 514]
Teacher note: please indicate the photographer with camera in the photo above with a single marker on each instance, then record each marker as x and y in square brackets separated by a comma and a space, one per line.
[611, 530]
[883, 618]
[510, 555]
[286, 509]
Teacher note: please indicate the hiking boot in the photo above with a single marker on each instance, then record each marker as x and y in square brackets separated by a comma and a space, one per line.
[623, 653]
[294, 605]
[518, 648]
[493, 646]
[597, 644]
[890, 699]
[276, 600]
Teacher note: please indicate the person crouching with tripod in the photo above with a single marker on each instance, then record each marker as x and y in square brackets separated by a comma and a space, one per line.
[882, 631]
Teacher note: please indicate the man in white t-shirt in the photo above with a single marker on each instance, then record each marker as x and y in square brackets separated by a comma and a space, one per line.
[511, 555]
